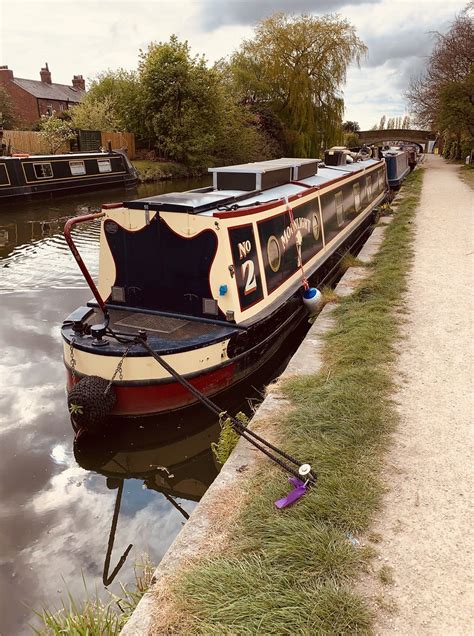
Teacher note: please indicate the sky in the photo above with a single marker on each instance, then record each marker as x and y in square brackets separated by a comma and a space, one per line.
[89, 36]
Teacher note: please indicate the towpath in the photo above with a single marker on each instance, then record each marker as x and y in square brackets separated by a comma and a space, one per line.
[427, 525]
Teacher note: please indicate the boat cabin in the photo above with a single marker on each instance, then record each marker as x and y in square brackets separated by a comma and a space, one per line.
[231, 251]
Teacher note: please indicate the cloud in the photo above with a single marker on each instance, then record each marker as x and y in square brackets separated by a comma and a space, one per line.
[215, 14]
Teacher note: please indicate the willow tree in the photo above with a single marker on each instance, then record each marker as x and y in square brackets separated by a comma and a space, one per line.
[297, 65]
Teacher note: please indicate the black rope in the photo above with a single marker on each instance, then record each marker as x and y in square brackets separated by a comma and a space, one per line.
[174, 503]
[106, 579]
[251, 436]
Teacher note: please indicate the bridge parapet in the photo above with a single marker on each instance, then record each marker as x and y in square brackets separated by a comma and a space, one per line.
[395, 134]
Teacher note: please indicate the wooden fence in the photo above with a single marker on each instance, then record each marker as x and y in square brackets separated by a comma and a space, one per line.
[120, 141]
[31, 142]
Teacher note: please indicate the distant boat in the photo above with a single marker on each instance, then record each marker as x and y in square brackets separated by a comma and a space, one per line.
[398, 166]
[26, 175]
[215, 276]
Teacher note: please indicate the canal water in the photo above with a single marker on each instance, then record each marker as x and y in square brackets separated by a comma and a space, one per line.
[57, 497]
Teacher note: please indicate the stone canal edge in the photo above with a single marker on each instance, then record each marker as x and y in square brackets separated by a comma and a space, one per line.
[207, 529]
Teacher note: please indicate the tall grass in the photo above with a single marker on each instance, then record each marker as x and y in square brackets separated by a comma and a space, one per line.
[292, 571]
[93, 616]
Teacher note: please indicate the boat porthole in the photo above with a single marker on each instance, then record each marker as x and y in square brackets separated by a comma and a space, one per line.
[316, 228]
[274, 253]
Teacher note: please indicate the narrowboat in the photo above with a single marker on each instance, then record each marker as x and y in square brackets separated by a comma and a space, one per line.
[213, 277]
[412, 151]
[398, 166]
[28, 175]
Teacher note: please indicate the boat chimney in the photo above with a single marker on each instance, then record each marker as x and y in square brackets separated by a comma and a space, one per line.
[45, 74]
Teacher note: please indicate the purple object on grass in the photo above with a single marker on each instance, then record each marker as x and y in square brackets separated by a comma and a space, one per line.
[299, 489]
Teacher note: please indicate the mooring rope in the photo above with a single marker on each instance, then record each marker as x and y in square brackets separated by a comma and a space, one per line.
[299, 252]
[266, 447]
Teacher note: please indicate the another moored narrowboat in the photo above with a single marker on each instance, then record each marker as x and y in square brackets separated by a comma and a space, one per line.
[29, 175]
[398, 166]
[213, 278]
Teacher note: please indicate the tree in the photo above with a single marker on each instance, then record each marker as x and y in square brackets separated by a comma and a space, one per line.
[8, 113]
[96, 114]
[114, 99]
[55, 132]
[456, 115]
[450, 61]
[350, 126]
[179, 101]
[382, 122]
[296, 66]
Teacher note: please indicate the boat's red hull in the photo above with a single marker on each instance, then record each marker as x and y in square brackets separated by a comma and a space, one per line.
[151, 398]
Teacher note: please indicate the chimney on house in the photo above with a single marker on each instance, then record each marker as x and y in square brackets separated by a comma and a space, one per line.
[45, 74]
[79, 82]
[5, 73]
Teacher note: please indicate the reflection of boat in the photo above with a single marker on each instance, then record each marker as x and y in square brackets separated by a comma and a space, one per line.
[213, 276]
[59, 174]
[170, 458]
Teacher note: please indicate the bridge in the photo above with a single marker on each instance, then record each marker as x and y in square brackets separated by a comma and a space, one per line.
[376, 137]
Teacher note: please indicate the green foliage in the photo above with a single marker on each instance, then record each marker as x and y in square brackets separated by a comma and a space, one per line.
[228, 439]
[351, 140]
[114, 99]
[180, 101]
[55, 132]
[350, 126]
[291, 571]
[467, 174]
[456, 115]
[296, 65]
[442, 97]
[95, 617]
[149, 171]
[96, 115]
[8, 113]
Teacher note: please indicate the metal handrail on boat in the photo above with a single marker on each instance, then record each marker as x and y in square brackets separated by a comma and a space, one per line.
[75, 252]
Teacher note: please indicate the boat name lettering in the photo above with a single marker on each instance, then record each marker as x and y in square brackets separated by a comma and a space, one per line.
[301, 223]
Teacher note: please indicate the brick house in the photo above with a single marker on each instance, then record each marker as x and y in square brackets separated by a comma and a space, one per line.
[33, 98]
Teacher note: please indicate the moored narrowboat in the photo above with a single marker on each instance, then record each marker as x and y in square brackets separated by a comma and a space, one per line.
[398, 166]
[213, 278]
[29, 175]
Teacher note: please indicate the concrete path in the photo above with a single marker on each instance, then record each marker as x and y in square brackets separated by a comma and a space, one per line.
[428, 524]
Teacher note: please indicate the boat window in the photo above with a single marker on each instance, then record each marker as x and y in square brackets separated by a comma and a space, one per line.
[274, 253]
[368, 183]
[43, 170]
[104, 165]
[380, 180]
[77, 167]
[316, 226]
[339, 208]
[356, 190]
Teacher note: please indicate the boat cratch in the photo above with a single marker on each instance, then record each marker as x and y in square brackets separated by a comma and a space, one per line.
[28, 175]
[213, 277]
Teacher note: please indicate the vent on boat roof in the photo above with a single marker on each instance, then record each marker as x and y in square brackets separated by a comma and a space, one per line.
[263, 175]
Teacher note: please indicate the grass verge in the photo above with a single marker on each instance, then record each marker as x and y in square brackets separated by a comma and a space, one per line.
[291, 571]
[149, 171]
[467, 174]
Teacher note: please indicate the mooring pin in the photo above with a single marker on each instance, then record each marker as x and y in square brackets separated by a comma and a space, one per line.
[304, 469]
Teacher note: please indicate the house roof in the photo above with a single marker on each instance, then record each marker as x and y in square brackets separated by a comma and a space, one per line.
[43, 90]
